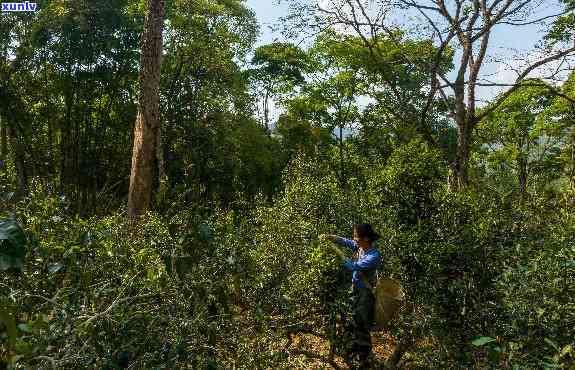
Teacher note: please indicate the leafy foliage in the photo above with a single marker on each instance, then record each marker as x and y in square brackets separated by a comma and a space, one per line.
[227, 270]
[521, 137]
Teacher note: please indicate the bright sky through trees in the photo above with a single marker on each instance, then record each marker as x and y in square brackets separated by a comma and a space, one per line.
[510, 43]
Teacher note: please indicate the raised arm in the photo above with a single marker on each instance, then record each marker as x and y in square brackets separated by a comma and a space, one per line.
[351, 244]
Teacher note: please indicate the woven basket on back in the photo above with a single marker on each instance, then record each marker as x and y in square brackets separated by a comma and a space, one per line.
[388, 299]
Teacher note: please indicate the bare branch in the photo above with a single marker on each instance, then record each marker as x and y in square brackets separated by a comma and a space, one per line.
[521, 77]
[412, 3]
[534, 21]
[553, 89]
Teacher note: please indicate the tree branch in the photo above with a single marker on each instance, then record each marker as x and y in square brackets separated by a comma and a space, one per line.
[520, 78]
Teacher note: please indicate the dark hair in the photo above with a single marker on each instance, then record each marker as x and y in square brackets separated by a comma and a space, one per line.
[366, 231]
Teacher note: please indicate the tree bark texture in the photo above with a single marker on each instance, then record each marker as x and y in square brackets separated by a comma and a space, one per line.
[148, 118]
[462, 156]
[522, 179]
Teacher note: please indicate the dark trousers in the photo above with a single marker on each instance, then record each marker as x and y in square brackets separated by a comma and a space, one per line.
[363, 303]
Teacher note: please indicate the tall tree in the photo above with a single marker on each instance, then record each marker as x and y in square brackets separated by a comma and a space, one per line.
[68, 76]
[342, 75]
[279, 69]
[520, 136]
[465, 26]
[207, 107]
[146, 131]
[14, 55]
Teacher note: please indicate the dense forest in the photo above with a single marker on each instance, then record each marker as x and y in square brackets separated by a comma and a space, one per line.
[165, 179]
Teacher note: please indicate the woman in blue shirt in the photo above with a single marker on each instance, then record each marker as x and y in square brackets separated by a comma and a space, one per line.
[364, 264]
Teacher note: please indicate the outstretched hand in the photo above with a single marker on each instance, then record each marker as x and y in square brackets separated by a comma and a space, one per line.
[333, 238]
[329, 237]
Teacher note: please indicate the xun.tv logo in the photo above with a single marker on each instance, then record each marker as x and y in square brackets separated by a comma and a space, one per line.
[19, 7]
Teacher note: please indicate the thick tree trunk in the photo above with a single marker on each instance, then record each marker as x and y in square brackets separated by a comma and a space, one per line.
[148, 119]
[460, 178]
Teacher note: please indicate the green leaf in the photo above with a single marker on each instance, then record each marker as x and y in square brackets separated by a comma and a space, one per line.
[87, 238]
[540, 312]
[568, 264]
[55, 267]
[566, 350]
[25, 328]
[205, 231]
[551, 343]
[481, 341]
[12, 232]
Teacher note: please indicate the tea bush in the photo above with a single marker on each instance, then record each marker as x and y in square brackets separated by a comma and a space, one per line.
[489, 277]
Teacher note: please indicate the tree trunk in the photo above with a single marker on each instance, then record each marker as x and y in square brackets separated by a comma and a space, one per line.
[523, 163]
[148, 118]
[162, 175]
[50, 155]
[3, 141]
[522, 172]
[572, 174]
[19, 153]
[522, 178]
[341, 176]
[65, 138]
[460, 180]
[266, 112]
[460, 177]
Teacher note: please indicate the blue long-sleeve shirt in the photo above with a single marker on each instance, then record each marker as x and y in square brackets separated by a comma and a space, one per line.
[367, 262]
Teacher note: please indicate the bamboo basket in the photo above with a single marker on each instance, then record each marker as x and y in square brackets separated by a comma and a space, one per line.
[388, 299]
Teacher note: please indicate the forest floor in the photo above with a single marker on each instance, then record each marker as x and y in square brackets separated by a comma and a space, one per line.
[312, 351]
[310, 346]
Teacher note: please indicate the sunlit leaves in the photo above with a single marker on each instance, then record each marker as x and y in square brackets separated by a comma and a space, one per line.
[481, 341]
[279, 66]
[520, 133]
[562, 28]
